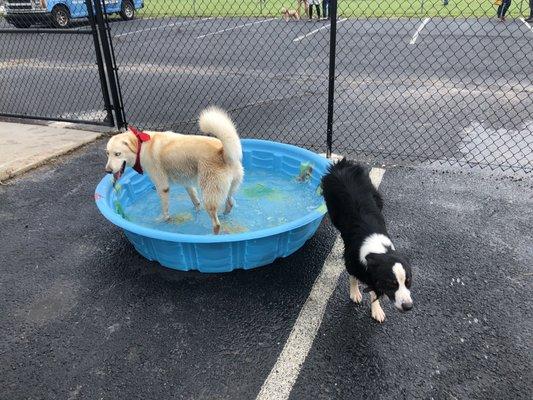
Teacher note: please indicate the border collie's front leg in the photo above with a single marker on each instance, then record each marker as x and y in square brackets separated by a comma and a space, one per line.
[355, 294]
[375, 308]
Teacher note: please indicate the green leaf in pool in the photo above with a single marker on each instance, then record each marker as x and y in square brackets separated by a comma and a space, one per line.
[306, 169]
[180, 218]
[262, 191]
[119, 210]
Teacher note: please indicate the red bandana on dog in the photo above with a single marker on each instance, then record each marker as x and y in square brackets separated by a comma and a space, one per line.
[142, 137]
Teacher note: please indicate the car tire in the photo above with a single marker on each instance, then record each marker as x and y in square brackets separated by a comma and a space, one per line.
[127, 10]
[60, 17]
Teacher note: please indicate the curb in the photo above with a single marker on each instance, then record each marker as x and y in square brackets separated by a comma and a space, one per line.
[11, 173]
[67, 125]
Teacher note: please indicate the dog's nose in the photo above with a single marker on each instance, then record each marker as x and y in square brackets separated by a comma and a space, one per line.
[108, 171]
[407, 306]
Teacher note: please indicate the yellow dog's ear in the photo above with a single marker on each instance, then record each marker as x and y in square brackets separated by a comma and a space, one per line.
[131, 142]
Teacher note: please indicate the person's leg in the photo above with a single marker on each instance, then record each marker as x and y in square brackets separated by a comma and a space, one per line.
[500, 8]
[506, 5]
[530, 19]
[317, 10]
[310, 6]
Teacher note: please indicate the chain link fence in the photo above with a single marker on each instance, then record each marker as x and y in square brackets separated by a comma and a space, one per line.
[47, 72]
[56, 61]
[436, 81]
[242, 56]
[415, 81]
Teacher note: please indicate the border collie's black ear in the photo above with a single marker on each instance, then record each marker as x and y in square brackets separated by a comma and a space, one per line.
[372, 259]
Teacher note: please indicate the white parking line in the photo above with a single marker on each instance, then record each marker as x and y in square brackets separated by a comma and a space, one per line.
[235, 27]
[316, 30]
[527, 24]
[283, 375]
[420, 27]
[153, 28]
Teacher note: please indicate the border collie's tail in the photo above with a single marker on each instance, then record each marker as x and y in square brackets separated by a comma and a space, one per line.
[217, 122]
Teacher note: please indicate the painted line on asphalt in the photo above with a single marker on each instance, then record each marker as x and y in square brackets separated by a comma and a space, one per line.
[316, 30]
[420, 27]
[527, 24]
[284, 374]
[153, 28]
[235, 27]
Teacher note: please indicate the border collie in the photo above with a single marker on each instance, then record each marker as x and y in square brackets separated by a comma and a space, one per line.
[354, 207]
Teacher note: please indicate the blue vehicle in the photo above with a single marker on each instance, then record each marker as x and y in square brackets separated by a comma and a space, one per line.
[24, 13]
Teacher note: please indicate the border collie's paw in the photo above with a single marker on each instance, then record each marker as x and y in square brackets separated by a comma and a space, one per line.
[356, 296]
[378, 314]
[355, 293]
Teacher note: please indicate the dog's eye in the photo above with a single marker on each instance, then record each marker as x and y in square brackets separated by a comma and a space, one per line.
[117, 154]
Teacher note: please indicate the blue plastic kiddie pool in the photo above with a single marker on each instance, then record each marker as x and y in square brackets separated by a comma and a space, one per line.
[278, 208]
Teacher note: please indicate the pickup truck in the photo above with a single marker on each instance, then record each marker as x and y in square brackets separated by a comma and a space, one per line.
[24, 13]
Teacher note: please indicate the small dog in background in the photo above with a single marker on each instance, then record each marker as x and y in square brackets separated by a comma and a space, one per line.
[290, 14]
[214, 164]
[354, 207]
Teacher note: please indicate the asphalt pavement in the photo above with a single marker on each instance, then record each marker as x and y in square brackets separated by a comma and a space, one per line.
[83, 316]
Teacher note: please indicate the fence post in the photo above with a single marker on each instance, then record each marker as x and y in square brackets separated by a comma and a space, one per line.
[331, 75]
[99, 62]
[108, 58]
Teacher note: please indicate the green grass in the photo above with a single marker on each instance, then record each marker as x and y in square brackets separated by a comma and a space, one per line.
[347, 8]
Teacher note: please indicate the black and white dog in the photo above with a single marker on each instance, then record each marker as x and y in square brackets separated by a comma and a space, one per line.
[354, 206]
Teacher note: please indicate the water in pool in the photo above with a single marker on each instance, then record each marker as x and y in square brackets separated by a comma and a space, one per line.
[264, 200]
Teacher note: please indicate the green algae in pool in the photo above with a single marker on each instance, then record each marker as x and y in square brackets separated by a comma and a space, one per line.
[260, 190]
[264, 200]
[180, 218]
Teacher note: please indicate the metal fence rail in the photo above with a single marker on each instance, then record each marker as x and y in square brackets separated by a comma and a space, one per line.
[440, 81]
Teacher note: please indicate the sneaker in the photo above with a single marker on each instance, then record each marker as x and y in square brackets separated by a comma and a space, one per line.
[530, 19]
